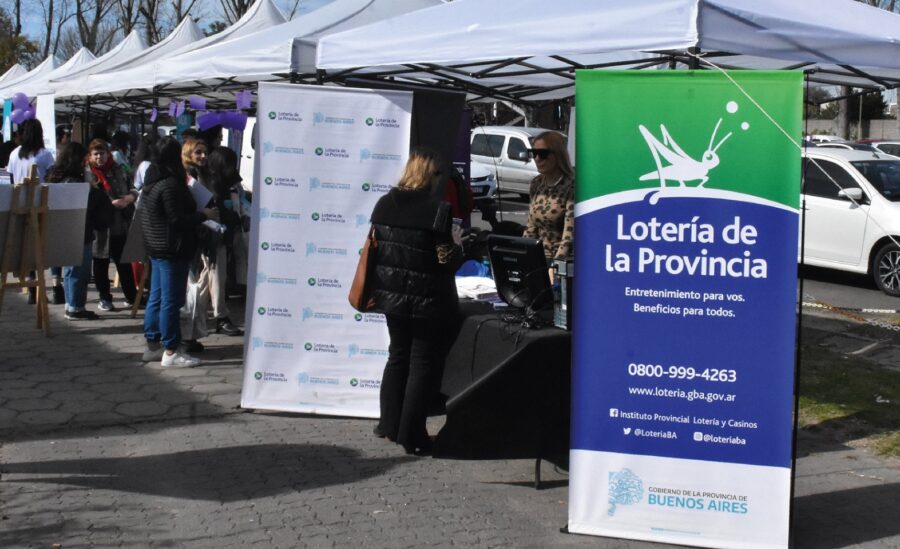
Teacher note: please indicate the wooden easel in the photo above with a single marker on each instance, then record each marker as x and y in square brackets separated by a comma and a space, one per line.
[141, 287]
[34, 235]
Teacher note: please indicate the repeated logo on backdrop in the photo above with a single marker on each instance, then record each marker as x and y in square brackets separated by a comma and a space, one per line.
[344, 150]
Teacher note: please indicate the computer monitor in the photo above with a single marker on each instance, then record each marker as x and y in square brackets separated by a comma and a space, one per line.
[520, 272]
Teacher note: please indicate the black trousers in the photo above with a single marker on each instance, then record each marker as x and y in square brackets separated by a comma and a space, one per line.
[101, 271]
[414, 357]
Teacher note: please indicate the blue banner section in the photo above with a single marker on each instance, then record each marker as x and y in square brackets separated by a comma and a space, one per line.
[691, 299]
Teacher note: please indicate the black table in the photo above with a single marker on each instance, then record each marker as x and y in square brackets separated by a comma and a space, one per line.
[507, 390]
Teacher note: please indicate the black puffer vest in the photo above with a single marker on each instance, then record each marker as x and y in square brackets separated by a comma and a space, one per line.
[168, 215]
[409, 280]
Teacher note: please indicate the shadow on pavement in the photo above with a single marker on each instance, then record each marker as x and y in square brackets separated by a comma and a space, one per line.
[836, 277]
[240, 472]
[90, 375]
[847, 517]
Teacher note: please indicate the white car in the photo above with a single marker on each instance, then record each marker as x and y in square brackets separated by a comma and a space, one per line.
[482, 182]
[852, 214]
[503, 150]
[889, 147]
[824, 138]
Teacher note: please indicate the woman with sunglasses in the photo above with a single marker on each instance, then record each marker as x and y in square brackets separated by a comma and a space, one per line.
[413, 286]
[551, 210]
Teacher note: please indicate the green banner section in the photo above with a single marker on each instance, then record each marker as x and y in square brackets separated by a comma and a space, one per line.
[704, 133]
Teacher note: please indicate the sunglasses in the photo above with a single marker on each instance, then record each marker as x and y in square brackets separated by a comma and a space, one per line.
[540, 153]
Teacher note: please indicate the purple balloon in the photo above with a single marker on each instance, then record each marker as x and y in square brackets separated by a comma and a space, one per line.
[30, 113]
[20, 101]
[234, 120]
[207, 120]
[197, 103]
[172, 106]
[153, 114]
[243, 99]
[17, 116]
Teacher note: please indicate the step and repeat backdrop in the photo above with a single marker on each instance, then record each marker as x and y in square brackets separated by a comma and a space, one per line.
[324, 156]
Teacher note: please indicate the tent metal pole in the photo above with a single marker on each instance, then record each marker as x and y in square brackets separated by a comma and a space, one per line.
[693, 62]
[85, 126]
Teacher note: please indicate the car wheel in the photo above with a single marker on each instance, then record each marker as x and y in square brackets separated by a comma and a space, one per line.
[886, 269]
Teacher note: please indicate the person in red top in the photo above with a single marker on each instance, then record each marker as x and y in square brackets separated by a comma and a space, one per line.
[458, 194]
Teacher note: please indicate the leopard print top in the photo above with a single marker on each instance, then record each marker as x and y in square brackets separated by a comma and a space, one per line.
[551, 215]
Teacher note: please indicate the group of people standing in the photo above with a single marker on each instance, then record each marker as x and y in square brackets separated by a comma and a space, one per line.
[152, 202]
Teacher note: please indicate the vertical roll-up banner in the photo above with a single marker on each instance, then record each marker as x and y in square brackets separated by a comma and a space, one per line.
[324, 157]
[686, 287]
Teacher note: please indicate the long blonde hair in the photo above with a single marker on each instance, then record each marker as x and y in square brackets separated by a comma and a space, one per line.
[557, 146]
[422, 166]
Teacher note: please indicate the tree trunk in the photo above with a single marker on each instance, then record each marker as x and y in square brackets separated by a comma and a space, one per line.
[843, 120]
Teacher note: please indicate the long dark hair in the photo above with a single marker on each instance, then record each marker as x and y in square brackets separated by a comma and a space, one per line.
[31, 137]
[69, 164]
[146, 148]
[222, 166]
[168, 157]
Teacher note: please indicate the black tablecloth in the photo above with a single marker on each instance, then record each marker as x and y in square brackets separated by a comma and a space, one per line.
[507, 390]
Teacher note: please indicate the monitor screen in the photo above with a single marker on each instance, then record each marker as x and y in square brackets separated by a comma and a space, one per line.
[520, 271]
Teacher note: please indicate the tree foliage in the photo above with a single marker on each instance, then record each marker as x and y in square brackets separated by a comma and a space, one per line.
[14, 48]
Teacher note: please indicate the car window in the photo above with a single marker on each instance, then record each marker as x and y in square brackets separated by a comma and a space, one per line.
[890, 149]
[816, 183]
[884, 175]
[485, 144]
[515, 148]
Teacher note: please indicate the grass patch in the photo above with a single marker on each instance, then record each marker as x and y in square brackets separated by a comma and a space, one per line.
[851, 399]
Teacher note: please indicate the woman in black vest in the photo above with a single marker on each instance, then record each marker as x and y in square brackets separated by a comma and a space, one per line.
[418, 253]
[169, 218]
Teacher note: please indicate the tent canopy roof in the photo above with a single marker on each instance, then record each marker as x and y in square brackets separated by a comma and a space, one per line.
[46, 67]
[40, 85]
[13, 73]
[531, 52]
[266, 54]
[127, 49]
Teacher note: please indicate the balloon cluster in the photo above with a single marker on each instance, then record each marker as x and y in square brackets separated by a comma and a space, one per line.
[22, 109]
[233, 120]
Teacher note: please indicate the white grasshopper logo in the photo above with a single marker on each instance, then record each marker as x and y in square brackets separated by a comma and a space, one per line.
[681, 167]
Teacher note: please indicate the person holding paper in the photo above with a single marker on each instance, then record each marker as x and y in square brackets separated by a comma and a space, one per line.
[103, 171]
[169, 219]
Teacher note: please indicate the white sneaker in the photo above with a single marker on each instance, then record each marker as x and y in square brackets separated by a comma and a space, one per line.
[152, 355]
[178, 359]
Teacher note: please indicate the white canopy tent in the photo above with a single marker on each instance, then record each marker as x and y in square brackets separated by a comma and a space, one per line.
[46, 66]
[260, 16]
[41, 85]
[530, 52]
[128, 48]
[13, 73]
[275, 52]
[186, 33]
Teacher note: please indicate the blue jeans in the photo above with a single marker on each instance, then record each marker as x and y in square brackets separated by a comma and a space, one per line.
[168, 288]
[75, 280]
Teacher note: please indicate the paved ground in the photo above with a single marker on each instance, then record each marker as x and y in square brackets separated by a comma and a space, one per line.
[98, 449]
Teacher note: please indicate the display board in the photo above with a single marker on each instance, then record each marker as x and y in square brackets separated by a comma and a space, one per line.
[685, 315]
[64, 244]
[324, 156]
